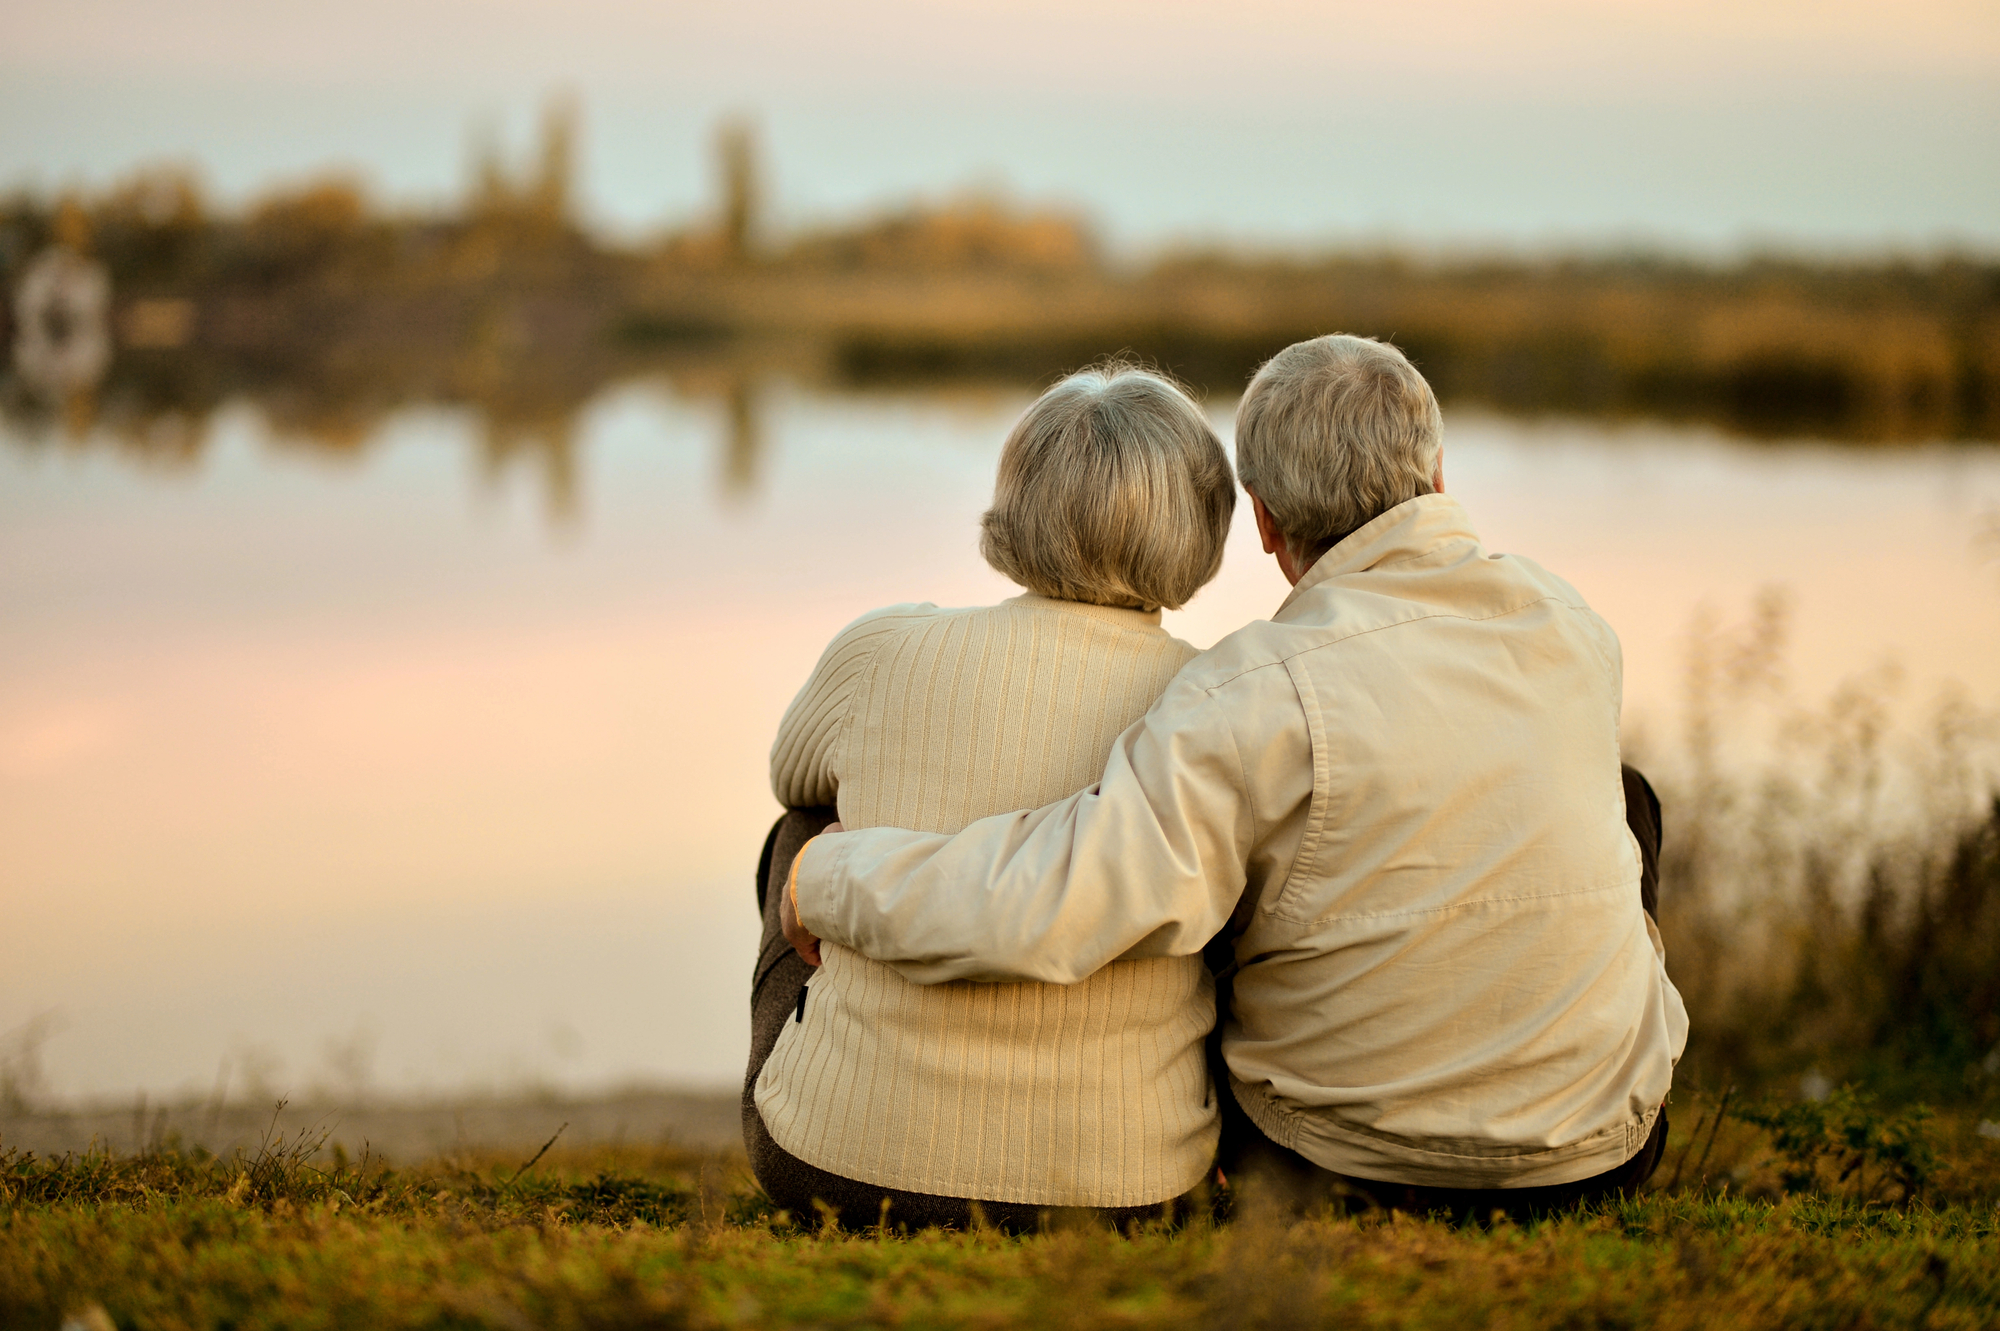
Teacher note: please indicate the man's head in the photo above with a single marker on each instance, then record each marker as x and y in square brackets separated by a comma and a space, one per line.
[1331, 434]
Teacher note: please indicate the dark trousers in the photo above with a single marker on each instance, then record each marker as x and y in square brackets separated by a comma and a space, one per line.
[776, 993]
[1247, 1156]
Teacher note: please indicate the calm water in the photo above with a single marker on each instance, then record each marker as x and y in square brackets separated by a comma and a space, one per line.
[319, 772]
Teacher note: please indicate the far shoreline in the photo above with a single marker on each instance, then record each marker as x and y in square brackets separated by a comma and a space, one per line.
[401, 1130]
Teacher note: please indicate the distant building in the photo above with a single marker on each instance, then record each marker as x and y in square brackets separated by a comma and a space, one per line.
[62, 336]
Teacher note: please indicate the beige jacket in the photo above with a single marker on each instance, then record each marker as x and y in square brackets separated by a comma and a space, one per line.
[1089, 1094]
[1402, 796]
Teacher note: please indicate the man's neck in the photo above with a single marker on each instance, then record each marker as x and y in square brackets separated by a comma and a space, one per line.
[1292, 568]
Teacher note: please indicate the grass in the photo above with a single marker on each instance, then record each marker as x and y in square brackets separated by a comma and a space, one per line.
[1830, 879]
[1746, 1225]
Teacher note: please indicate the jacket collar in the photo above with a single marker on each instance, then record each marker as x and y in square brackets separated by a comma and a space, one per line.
[1410, 530]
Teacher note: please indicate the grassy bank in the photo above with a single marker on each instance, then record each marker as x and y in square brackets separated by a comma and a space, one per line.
[1747, 1226]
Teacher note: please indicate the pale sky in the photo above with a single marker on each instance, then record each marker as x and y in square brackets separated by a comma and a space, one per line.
[1168, 48]
[1694, 124]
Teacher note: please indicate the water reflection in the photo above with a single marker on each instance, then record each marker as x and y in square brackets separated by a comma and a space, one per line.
[739, 471]
[315, 750]
[138, 312]
[547, 448]
[524, 425]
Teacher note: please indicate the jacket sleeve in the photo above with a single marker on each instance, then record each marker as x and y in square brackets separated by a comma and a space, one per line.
[1148, 862]
[805, 757]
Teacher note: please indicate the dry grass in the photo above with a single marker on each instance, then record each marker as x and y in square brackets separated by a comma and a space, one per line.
[654, 1237]
[1831, 879]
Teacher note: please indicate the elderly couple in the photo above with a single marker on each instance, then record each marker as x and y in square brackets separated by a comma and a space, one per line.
[1382, 844]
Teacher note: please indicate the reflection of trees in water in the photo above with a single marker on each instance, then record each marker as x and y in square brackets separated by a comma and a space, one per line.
[328, 315]
[155, 411]
[329, 311]
[549, 448]
[745, 440]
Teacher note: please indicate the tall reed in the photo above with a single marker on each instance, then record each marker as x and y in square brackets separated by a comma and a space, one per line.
[1830, 880]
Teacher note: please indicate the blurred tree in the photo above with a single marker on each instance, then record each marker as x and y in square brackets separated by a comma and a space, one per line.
[736, 152]
[549, 197]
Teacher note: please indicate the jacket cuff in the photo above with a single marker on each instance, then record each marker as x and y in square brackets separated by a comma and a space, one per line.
[824, 875]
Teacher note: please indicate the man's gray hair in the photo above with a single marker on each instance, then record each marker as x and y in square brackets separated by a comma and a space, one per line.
[1113, 489]
[1333, 433]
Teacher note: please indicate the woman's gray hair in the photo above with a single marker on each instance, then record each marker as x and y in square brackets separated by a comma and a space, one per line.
[1113, 489]
[1333, 433]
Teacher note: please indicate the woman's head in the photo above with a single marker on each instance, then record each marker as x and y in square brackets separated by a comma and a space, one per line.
[1112, 490]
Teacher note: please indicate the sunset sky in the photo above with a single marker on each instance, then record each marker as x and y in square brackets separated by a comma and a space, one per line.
[1256, 49]
[1696, 123]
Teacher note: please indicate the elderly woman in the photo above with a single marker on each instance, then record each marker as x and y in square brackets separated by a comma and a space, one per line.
[881, 1098]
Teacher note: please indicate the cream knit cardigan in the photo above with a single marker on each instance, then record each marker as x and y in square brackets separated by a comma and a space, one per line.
[1090, 1094]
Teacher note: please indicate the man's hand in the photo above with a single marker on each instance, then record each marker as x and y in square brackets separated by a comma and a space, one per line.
[804, 943]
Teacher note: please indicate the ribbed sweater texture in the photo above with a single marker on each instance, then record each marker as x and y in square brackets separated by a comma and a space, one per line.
[1092, 1094]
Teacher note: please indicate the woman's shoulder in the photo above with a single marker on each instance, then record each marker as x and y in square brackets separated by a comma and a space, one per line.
[887, 619]
[860, 639]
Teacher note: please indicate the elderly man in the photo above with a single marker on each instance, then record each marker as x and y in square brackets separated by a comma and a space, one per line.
[1398, 804]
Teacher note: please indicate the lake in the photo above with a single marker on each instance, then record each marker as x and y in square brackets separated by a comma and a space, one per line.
[387, 771]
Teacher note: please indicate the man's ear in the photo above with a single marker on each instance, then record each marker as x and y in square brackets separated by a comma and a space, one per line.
[1267, 526]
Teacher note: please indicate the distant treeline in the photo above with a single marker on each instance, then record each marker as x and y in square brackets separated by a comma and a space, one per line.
[1883, 352]
[329, 311]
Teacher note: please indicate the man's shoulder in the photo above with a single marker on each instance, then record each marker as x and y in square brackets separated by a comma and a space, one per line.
[1459, 582]
[1259, 646]
[1531, 573]
[1264, 649]
[1552, 587]
[1322, 618]
[1361, 606]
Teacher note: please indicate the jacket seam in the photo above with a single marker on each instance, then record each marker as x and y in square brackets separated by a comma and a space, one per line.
[1423, 618]
[1419, 912]
[1289, 657]
[1242, 772]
